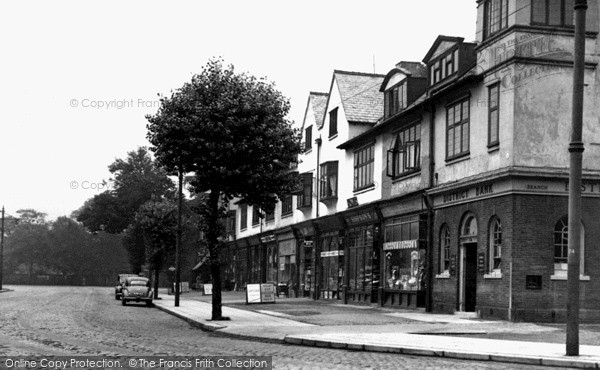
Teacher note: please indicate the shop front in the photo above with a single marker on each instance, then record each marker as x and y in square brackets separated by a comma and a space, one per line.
[362, 255]
[255, 260]
[305, 233]
[404, 254]
[287, 263]
[270, 248]
[330, 275]
[240, 260]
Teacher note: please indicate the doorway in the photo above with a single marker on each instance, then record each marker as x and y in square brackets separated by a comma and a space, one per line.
[468, 280]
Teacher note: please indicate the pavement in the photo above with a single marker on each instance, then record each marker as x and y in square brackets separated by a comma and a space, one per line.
[330, 324]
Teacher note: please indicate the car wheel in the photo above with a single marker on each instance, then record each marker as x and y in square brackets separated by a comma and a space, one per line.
[123, 302]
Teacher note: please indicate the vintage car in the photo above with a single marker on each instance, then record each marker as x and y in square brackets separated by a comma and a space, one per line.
[137, 289]
[120, 282]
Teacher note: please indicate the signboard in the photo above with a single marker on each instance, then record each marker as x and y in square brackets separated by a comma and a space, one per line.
[481, 263]
[207, 289]
[352, 202]
[452, 264]
[267, 238]
[332, 253]
[267, 293]
[260, 293]
[184, 287]
[404, 244]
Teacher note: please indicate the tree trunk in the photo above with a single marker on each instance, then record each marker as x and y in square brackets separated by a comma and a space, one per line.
[212, 237]
[156, 272]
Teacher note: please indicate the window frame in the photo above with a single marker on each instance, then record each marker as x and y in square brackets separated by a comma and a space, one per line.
[328, 170]
[495, 246]
[364, 157]
[398, 151]
[256, 216]
[243, 216]
[465, 147]
[562, 270]
[444, 250]
[438, 70]
[494, 110]
[395, 99]
[333, 122]
[503, 9]
[308, 138]
[563, 14]
[287, 205]
[305, 198]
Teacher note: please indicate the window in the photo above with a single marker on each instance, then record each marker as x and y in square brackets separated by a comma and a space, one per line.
[457, 136]
[495, 251]
[401, 263]
[395, 100]
[308, 138]
[255, 215]
[243, 216]
[230, 226]
[552, 12]
[444, 67]
[270, 216]
[445, 250]
[363, 167]
[561, 247]
[329, 171]
[333, 116]
[404, 155]
[286, 205]
[493, 115]
[360, 259]
[305, 196]
[495, 17]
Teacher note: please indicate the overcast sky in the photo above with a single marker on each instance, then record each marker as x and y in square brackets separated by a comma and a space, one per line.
[62, 60]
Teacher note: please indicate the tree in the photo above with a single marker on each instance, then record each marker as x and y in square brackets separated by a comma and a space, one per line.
[157, 221]
[231, 131]
[136, 180]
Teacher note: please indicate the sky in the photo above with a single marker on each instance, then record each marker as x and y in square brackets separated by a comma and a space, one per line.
[77, 78]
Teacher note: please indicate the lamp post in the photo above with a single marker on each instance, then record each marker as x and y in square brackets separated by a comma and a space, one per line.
[575, 159]
[178, 242]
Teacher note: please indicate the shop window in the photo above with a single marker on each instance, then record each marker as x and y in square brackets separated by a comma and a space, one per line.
[402, 261]
[557, 13]
[561, 248]
[308, 138]
[495, 246]
[395, 99]
[305, 195]
[329, 177]
[495, 17]
[287, 205]
[457, 132]
[493, 115]
[404, 154]
[272, 264]
[444, 251]
[360, 263]
[243, 216]
[333, 118]
[364, 161]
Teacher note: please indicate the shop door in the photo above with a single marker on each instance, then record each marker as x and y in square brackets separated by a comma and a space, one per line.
[470, 276]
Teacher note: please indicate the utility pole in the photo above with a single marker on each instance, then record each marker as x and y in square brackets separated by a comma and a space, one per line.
[178, 242]
[2, 250]
[575, 159]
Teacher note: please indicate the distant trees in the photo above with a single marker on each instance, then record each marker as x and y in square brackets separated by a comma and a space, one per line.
[62, 248]
[230, 130]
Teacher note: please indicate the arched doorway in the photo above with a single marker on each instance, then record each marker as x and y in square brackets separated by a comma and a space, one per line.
[467, 282]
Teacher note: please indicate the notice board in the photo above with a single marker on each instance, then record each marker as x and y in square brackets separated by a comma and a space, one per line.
[260, 293]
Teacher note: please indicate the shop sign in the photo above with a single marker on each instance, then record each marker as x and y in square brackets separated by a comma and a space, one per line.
[352, 202]
[207, 289]
[260, 293]
[267, 238]
[287, 247]
[481, 263]
[361, 218]
[401, 244]
[332, 253]
[308, 243]
[452, 264]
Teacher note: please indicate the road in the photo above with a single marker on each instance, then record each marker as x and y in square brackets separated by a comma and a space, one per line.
[56, 321]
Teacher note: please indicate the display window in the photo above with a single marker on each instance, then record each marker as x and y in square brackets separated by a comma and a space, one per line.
[403, 261]
[360, 258]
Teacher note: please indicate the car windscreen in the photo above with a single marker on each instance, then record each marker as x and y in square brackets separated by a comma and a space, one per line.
[137, 283]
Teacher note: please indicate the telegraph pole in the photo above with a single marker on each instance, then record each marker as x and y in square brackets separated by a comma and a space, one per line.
[575, 159]
[2, 250]
[178, 242]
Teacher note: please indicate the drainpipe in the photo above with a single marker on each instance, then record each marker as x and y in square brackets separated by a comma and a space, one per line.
[430, 213]
[317, 244]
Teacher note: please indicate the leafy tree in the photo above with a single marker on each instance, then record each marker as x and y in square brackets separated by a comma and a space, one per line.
[157, 221]
[230, 129]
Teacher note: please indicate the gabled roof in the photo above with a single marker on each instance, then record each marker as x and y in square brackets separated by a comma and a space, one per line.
[441, 44]
[318, 102]
[359, 92]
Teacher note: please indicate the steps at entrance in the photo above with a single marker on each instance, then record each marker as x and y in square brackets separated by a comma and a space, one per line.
[466, 315]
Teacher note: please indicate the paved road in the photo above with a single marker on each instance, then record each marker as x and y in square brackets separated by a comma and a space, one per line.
[55, 321]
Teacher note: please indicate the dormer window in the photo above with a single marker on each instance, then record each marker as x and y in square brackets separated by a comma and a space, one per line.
[495, 17]
[444, 67]
[395, 99]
